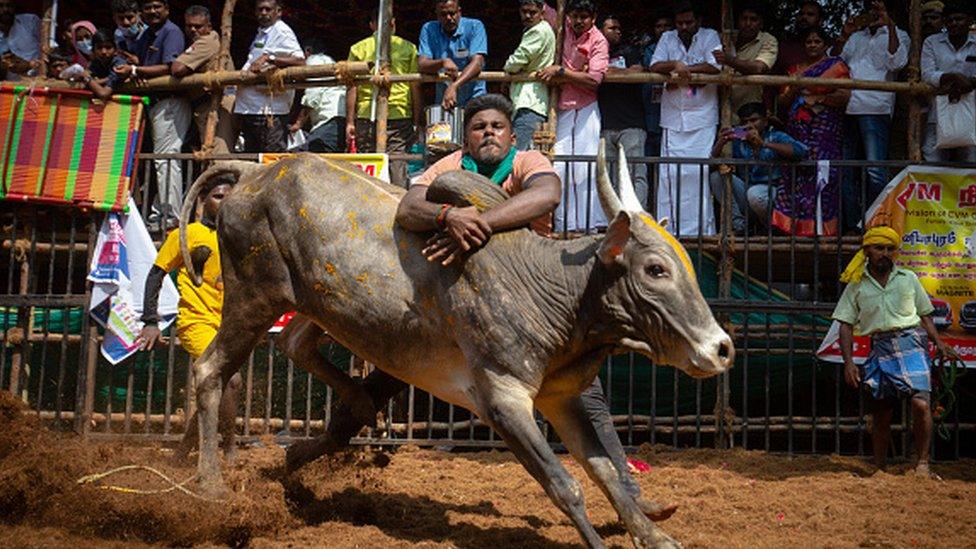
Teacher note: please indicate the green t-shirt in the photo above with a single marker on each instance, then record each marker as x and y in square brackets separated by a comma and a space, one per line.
[871, 308]
[403, 60]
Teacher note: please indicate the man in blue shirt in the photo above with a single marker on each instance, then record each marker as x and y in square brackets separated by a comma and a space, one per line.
[754, 139]
[456, 46]
[158, 46]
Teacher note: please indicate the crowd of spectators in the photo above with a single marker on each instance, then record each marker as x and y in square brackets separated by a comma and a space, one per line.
[677, 120]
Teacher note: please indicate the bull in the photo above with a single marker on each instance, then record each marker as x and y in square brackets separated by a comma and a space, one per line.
[525, 322]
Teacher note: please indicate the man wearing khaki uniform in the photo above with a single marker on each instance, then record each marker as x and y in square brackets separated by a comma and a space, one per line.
[204, 55]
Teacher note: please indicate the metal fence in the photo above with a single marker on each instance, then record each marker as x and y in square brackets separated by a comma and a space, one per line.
[777, 292]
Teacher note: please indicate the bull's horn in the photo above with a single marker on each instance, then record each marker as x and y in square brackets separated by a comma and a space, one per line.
[608, 198]
[627, 194]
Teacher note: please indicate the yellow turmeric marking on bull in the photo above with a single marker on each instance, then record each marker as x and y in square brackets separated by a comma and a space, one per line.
[330, 268]
[282, 172]
[303, 212]
[476, 201]
[672, 241]
[355, 231]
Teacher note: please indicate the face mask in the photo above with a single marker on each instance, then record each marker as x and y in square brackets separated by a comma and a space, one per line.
[84, 47]
[133, 31]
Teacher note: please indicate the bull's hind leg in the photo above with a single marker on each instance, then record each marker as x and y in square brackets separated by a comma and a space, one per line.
[570, 420]
[507, 408]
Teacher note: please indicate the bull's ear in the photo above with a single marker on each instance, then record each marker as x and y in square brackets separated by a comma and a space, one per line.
[618, 233]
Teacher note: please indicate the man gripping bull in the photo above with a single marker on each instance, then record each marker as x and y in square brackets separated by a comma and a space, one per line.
[199, 312]
[528, 176]
[887, 303]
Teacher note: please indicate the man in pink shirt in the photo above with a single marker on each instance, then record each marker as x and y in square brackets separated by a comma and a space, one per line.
[584, 62]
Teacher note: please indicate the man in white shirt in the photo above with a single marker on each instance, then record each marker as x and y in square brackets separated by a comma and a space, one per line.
[324, 108]
[875, 52]
[949, 63]
[20, 40]
[689, 116]
[262, 112]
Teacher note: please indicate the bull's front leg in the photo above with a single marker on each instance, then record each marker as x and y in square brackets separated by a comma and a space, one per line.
[506, 405]
[570, 420]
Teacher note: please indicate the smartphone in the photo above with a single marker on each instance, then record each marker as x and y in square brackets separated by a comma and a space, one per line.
[740, 132]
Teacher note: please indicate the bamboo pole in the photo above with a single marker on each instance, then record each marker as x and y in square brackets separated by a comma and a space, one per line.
[224, 62]
[383, 90]
[47, 23]
[289, 75]
[548, 128]
[915, 123]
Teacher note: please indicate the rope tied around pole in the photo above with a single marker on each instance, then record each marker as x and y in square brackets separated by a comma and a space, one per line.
[381, 79]
[544, 139]
[174, 486]
[344, 74]
[21, 248]
[948, 370]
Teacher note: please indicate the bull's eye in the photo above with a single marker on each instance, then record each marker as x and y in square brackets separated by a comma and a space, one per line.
[656, 270]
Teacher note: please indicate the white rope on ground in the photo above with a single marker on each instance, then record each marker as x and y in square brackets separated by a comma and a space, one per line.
[174, 486]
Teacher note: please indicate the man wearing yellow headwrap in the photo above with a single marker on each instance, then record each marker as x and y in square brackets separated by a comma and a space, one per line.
[888, 303]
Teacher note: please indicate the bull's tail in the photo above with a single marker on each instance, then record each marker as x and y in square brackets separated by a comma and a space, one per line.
[236, 168]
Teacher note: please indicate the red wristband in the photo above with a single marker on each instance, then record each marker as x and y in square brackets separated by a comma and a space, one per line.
[441, 219]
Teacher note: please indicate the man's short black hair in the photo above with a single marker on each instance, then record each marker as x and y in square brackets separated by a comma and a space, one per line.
[814, 3]
[197, 10]
[489, 101]
[685, 7]
[752, 7]
[144, 2]
[581, 5]
[539, 3]
[958, 6]
[315, 45]
[749, 109]
[125, 6]
[103, 36]
[214, 182]
[608, 17]
[58, 57]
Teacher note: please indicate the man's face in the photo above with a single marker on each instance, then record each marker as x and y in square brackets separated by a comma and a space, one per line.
[155, 12]
[808, 18]
[661, 26]
[881, 257]
[267, 12]
[581, 21]
[104, 51]
[125, 19]
[611, 30]
[757, 121]
[750, 23]
[488, 136]
[531, 14]
[211, 204]
[54, 68]
[687, 25]
[931, 22]
[7, 10]
[449, 16]
[197, 26]
[958, 24]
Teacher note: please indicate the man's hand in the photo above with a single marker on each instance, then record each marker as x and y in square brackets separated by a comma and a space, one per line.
[124, 69]
[550, 74]
[723, 57]
[260, 64]
[450, 69]
[129, 57]
[450, 97]
[350, 130]
[150, 336]
[754, 139]
[943, 350]
[464, 229]
[852, 375]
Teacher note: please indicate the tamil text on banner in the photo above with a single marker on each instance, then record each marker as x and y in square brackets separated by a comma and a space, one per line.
[934, 209]
[66, 147]
[372, 164]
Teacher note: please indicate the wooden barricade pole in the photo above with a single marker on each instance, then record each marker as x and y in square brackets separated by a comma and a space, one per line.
[726, 265]
[224, 62]
[21, 349]
[915, 122]
[545, 138]
[383, 87]
[47, 23]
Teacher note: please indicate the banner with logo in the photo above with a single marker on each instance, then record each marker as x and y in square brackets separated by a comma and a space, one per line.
[372, 164]
[934, 209]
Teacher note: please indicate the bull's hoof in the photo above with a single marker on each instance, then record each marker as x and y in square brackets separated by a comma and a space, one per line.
[213, 489]
[230, 454]
[655, 511]
[658, 540]
[304, 452]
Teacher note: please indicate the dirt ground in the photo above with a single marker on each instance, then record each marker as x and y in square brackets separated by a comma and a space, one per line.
[415, 497]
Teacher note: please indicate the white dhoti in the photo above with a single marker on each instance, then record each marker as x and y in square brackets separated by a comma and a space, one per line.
[682, 192]
[578, 132]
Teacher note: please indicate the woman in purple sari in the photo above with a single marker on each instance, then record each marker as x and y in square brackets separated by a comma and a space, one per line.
[817, 120]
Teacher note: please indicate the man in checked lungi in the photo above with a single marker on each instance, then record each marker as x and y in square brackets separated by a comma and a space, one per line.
[888, 303]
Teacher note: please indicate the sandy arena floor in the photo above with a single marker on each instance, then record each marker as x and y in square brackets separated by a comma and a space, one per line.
[427, 498]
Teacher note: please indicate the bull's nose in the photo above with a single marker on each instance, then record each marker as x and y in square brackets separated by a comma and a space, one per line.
[725, 353]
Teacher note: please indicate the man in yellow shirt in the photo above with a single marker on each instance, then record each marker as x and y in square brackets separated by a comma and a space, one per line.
[198, 316]
[888, 303]
[404, 104]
